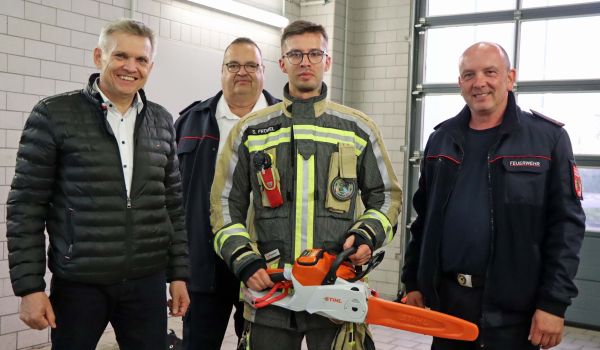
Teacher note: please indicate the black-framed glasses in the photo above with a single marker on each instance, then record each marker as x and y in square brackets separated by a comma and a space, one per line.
[234, 67]
[314, 56]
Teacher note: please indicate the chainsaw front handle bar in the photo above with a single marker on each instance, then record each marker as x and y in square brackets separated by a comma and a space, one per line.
[341, 257]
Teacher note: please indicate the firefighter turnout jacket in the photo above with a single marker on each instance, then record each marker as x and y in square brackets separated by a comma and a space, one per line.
[304, 162]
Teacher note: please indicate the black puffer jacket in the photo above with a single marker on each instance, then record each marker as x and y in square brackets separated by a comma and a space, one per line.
[68, 179]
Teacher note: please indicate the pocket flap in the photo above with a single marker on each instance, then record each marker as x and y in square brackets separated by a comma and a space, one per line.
[186, 146]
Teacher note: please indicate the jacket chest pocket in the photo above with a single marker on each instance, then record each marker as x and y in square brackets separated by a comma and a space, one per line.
[185, 153]
[525, 180]
[337, 183]
[440, 169]
[268, 178]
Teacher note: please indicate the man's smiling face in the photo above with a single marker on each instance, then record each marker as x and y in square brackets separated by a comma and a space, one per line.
[124, 65]
[485, 79]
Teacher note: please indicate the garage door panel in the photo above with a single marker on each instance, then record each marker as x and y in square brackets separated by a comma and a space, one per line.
[585, 309]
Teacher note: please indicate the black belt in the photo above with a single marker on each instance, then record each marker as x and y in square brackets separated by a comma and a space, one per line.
[466, 280]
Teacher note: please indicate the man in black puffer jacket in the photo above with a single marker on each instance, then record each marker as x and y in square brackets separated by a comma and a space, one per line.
[97, 168]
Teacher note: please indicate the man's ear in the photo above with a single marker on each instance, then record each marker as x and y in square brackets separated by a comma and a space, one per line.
[98, 57]
[327, 63]
[150, 67]
[282, 65]
[512, 77]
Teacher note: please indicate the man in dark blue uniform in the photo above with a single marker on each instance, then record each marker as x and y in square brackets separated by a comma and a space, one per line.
[202, 128]
[500, 222]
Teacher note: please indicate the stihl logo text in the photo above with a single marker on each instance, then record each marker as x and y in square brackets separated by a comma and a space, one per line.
[333, 300]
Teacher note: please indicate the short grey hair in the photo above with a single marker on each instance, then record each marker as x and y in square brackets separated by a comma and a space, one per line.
[127, 26]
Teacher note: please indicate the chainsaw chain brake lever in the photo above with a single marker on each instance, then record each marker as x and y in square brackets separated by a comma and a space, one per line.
[332, 274]
[373, 263]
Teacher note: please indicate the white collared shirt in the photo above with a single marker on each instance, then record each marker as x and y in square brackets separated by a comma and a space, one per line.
[123, 126]
[226, 119]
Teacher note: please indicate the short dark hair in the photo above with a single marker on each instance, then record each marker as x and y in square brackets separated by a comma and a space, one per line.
[300, 27]
[241, 41]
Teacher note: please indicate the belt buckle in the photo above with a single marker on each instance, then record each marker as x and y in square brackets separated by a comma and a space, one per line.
[464, 280]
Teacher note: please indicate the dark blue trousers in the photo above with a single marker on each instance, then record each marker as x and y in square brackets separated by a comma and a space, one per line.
[206, 320]
[136, 309]
[465, 302]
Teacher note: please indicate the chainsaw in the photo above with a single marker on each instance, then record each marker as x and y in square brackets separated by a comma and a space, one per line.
[328, 285]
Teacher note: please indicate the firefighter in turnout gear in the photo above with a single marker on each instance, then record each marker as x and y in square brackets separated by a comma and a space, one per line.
[306, 162]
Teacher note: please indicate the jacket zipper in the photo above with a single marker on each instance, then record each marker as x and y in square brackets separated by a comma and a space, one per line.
[128, 204]
[493, 232]
[70, 233]
[438, 248]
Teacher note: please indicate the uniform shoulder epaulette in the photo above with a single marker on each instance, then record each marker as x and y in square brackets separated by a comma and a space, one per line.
[189, 107]
[546, 118]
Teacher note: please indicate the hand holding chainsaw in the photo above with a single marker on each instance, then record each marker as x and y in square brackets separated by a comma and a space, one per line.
[260, 280]
[363, 251]
[324, 284]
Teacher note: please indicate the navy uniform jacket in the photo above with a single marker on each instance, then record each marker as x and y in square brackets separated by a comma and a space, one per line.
[537, 221]
[197, 145]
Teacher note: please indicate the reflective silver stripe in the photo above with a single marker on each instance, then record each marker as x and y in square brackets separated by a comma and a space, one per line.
[272, 139]
[234, 160]
[305, 204]
[385, 175]
[385, 223]
[305, 132]
[226, 233]
[329, 135]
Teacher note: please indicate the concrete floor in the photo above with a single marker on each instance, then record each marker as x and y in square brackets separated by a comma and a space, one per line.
[385, 339]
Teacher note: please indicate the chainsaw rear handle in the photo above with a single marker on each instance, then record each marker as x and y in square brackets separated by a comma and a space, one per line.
[332, 274]
[276, 275]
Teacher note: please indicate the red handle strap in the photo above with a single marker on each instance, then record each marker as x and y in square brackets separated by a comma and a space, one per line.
[268, 298]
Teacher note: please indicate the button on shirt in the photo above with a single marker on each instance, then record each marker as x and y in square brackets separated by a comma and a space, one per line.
[226, 119]
[122, 126]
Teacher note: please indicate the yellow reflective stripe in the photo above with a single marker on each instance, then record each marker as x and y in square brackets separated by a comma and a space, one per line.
[310, 203]
[299, 219]
[224, 234]
[305, 204]
[329, 135]
[385, 223]
[315, 133]
[256, 143]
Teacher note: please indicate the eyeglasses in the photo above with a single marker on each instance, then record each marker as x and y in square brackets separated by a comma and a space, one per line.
[234, 67]
[314, 56]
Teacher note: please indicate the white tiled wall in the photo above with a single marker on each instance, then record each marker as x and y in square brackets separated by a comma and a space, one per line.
[46, 48]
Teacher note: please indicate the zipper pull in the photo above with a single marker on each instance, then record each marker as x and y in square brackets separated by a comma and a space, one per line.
[128, 203]
[69, 252]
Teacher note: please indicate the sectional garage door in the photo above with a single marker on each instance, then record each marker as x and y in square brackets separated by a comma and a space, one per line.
[586, 307]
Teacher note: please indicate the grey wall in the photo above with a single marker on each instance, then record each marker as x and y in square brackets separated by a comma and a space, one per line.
[46, 48]
[184, 73]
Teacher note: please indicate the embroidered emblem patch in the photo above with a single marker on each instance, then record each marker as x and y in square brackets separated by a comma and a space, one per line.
[342, 189]
[525, 163]
[577, 184]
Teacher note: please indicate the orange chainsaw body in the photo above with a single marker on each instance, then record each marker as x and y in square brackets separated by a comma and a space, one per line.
[312, 266]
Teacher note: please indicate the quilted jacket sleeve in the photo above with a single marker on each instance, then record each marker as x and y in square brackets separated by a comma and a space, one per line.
[28, 199]
[178, 268]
